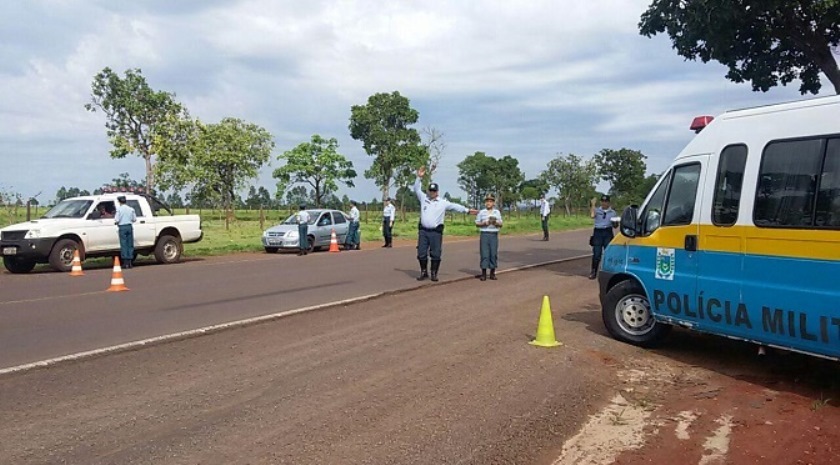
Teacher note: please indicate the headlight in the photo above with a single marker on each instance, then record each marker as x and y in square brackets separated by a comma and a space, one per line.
[33, 234]
[292, 235]
[265, 233]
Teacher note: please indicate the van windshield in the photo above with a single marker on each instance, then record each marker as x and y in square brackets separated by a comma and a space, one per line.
[69, 209]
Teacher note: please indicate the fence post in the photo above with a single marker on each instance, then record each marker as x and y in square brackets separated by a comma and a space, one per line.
[262, 218]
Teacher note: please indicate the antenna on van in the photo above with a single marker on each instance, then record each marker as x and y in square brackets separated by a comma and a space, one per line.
[700, 122]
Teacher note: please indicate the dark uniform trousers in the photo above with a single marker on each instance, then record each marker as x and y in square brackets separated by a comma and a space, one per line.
[545, 226]
[386, 230]
[489, 249]
[126, 233]
[303, 230]
[601, 238]
[429, 245]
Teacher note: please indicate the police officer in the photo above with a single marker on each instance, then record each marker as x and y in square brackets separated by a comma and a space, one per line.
[353, 236]
[430, 237]
[124, 219]
[603, 232]
[488, 221]
[389, 214]
[303, 230]
[545, 210]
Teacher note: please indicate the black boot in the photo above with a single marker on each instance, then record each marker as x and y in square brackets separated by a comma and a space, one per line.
[435, 268]
[492, 274]
[424, 266]
[483, 276]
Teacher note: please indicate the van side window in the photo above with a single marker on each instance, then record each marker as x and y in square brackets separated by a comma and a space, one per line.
[679, 210]
[828, 197]
[652, 215]
[787, 183]
[730, 179]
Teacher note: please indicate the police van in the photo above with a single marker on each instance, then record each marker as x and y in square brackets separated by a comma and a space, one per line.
[739, 238]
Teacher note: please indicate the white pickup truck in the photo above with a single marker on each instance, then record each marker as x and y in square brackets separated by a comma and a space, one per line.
[87, 224]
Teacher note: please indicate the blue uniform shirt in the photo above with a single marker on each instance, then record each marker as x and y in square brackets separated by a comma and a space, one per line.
[433, 212]
[603, 217]
[125, 215]
[484, 214]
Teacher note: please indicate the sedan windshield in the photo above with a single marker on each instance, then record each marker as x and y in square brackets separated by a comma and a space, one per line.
[313, 217]
[69, 209]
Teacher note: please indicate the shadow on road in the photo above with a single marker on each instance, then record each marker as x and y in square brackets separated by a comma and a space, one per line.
[240, 299]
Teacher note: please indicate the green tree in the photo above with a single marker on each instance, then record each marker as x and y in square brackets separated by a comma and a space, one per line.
[624, 169]
[138, 118]
[174, 200]
[766, 42]
[573, 178]
[318, 164]
[476, 176]
[383, 126]
[298, 195]
[532, 189]
[507, 176]
[218, 160]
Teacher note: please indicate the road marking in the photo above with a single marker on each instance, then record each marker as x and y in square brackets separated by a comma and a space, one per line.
[42, 299]
[134, 345]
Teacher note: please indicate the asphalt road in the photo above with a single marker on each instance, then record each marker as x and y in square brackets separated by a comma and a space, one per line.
[438, 375]
[47, 315]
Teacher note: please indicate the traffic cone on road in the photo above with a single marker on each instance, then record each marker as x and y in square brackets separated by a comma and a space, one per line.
[117, 282]
[334, 242]
[545, 328]
[76, 269]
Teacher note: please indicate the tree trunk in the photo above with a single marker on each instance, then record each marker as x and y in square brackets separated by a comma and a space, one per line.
[828, 65]
[149, 174]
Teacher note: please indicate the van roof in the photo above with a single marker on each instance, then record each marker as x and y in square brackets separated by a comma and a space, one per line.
[784, 106]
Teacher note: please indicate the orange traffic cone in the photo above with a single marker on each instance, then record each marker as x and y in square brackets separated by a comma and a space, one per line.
[334, 242]
[117, 282]
[76, 270]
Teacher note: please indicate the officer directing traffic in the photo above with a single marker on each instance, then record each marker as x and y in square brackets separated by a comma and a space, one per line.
[432, 214]
[353, 240]
[389, 214]
[303, 230]
[602, 235]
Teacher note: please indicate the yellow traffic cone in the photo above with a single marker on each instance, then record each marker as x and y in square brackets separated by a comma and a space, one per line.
[545, 328]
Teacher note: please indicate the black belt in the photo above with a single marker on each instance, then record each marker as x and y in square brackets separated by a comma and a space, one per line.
[439, 228]
[603, 229]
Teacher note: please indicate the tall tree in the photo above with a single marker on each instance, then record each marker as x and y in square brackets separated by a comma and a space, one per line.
[532, 189]
[624, 169]
[477, 176]
[766, 42]
[383, 126]
[138, 118]
[298, 195]
[435, 145]
[573, 178]
[218, 161]
[506, 177]
[318, 164]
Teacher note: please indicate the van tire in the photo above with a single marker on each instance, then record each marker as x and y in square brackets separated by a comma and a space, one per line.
[18, 265]
[61, 255]
[627, 316]
[168, 249]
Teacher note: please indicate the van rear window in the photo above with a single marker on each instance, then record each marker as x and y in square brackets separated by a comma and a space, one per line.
[791, 175]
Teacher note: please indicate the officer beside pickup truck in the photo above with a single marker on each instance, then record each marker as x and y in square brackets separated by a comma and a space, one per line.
[124, 220]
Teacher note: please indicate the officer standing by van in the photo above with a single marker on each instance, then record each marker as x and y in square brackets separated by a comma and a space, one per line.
[602, 235]
[389, 214]
[545, 210]
[353, 236]
[303, 230]
[488, 221]
[124, 219]
[432, 214]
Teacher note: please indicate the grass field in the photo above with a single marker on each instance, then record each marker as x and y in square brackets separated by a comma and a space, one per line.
[245, 231]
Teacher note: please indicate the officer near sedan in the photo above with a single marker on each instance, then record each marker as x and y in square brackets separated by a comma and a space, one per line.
[303, 218]
[432, 214]
[389, 214]
[354, 239]
[124, 219]
[489, 221]
[602, 235]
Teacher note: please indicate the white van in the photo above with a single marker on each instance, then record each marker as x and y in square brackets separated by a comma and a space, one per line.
[740, 237]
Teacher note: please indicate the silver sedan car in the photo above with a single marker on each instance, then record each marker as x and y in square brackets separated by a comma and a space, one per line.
[320, 227]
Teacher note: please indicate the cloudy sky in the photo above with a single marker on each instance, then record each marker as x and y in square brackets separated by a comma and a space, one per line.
[529, 79]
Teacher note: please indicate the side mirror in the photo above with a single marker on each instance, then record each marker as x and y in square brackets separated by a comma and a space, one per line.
[629, 222]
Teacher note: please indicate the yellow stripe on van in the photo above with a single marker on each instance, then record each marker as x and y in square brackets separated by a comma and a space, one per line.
[794, 243]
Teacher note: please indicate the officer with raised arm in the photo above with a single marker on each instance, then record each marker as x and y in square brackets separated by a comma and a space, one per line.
[432, 214]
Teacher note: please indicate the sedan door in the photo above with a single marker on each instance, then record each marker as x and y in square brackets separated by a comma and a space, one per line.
[341, 226]
[323, 230]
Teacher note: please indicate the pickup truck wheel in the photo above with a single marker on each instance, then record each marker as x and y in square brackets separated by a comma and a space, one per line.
[168, 249]
[18, 265]
[61, 256]
[627, 316]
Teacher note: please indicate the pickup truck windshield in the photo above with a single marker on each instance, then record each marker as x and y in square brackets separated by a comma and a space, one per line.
[313, 217]
[69, 209]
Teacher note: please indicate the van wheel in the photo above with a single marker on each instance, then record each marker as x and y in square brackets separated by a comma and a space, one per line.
[627, 316]
[168, 249]
[18, 265]
[61, 256]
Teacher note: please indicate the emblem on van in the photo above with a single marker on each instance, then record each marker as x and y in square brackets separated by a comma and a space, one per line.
[665, 263]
